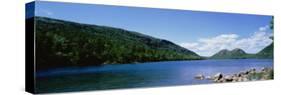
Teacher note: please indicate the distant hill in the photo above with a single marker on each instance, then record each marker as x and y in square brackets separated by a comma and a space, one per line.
[62, 43]
[233, 54]
[267, 52]
[237, 53]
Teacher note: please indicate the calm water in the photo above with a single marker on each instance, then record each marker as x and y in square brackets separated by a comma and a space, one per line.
[166, 73]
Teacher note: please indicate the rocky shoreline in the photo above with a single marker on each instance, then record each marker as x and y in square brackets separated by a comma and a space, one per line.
[252, 74]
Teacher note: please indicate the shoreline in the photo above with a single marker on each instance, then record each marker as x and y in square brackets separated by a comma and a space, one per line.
[252, 74]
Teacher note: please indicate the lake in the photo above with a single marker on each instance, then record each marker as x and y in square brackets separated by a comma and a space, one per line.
[150, 74]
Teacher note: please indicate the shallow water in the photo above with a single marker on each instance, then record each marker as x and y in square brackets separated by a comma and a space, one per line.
[150, 74]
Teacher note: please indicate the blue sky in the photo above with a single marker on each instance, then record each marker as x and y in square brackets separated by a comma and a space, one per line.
[190, 29]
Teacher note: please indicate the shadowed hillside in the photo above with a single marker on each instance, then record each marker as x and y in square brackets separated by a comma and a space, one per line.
[62, 44]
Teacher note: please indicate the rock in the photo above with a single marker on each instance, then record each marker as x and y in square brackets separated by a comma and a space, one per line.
[228, 78]
[248, 75]
[247, 72]
[240, 79]
[235, 79]
[219, 80]
[263, 69]
[245, 79]
[199, 76]
[241, 73]
[253, 70]
[218, 76]
[209, 78]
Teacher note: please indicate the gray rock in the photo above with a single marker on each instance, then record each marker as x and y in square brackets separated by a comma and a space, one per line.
[209, 78]
[240, 79]
[228, 78]
[199, 76]
[247, 72]
[218, 76]
[245, 79]
[263, 69]
[235, 79]
[253, 70]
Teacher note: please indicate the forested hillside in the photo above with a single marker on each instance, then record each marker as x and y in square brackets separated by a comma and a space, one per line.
[62, 43]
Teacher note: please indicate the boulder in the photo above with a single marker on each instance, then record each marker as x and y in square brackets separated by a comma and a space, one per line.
[218, 76]
[247, 72]
[245, 79]
[263, 69]
[218, 80]
[235, 79]
[209, 78]
[199, 76]
[240, 79]
[228, 78]
[241, 73]
[252, 70]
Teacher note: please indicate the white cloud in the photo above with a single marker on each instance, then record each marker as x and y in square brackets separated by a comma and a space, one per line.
[264, 28]
[252, 44]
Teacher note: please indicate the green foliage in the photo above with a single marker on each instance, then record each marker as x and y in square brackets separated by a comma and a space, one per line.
[62, 43]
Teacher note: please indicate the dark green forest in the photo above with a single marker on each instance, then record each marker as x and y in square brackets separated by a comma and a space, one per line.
[64, 44]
